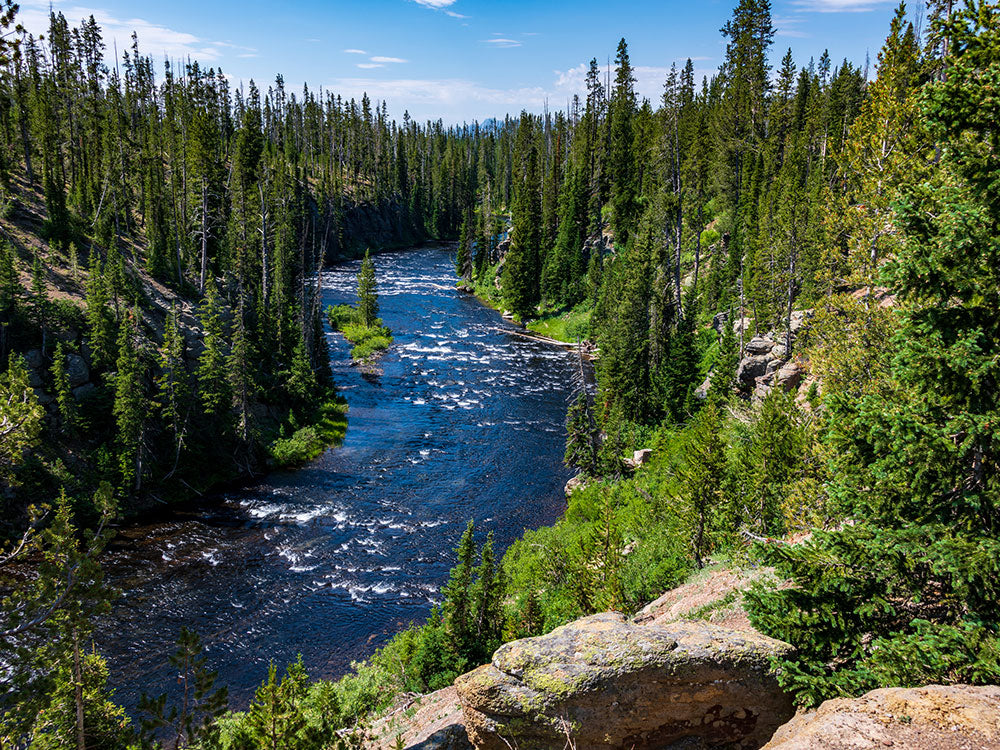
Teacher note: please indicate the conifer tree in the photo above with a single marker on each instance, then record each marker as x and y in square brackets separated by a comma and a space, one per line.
[192, 721]
[487, 604]
[101, 326]
[213, 381]
[582, 439]
[301, 383]
[172, 384]
[463, 259]
[622, 155]
[130, 401]
[38, 303]
[20, 415]
[64, 395]
[368, 292]
[10, 286]
[458, 604]
[275, 717]
[702, 471]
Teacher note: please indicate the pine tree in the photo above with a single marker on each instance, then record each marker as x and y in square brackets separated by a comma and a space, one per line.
[46, 621]
[10, 285]
[20, 415]
[622, 156]
[275, 717]
[368, 292]
[38, 301]
[487, 604]
[702, 472]
[130, 408]
[63, 392]
[301, 383]
[213, 381]
[101, 325]
[521, 270]
[172, 384]
[458, 604]
[463, 259]
[582, 439]
[192, 721]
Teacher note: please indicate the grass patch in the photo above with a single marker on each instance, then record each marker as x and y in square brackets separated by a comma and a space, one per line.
[483, 286]
[306, 443]
[368, 340]
[570, 326]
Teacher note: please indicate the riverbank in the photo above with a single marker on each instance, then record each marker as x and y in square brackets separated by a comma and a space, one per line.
[333, 559]
[556, 326]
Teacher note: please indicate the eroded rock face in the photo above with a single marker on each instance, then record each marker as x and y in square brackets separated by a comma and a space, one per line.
[605, 682]
[936, 717]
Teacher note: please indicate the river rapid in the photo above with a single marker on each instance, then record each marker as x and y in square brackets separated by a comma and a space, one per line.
[466, 421]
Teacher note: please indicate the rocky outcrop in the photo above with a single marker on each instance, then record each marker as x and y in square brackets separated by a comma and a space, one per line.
[603, 681]
[765, 361]
[639, 458]
[936, 717]
[423, 722]
[371, 225]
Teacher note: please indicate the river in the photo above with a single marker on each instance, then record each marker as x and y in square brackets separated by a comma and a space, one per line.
[465, 421]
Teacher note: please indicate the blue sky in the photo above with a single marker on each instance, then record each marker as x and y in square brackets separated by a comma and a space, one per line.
[462, 59]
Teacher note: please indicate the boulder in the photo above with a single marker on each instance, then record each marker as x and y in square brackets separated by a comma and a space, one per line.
[33, 359]
[44, 397]
[576, 483]
[936, 717]
[798, 319]
[759, 345]
[751, 368]
[789, 376]
[701, 392]
[83, 391]
[719, 321]
[76, 370]
[642, 457]
[603, 681]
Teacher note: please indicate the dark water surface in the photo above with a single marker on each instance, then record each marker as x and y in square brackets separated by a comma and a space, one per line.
[466, 421]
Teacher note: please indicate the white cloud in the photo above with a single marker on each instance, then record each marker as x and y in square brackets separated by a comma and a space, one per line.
[573, 80]
[841, 6]
[355, 52]
[503, 42]
[453, 14]
[154, 39]
[370, 65]
[441, 96]
[789, 27]
[436, 4]
[381, 59]
[649, 79]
